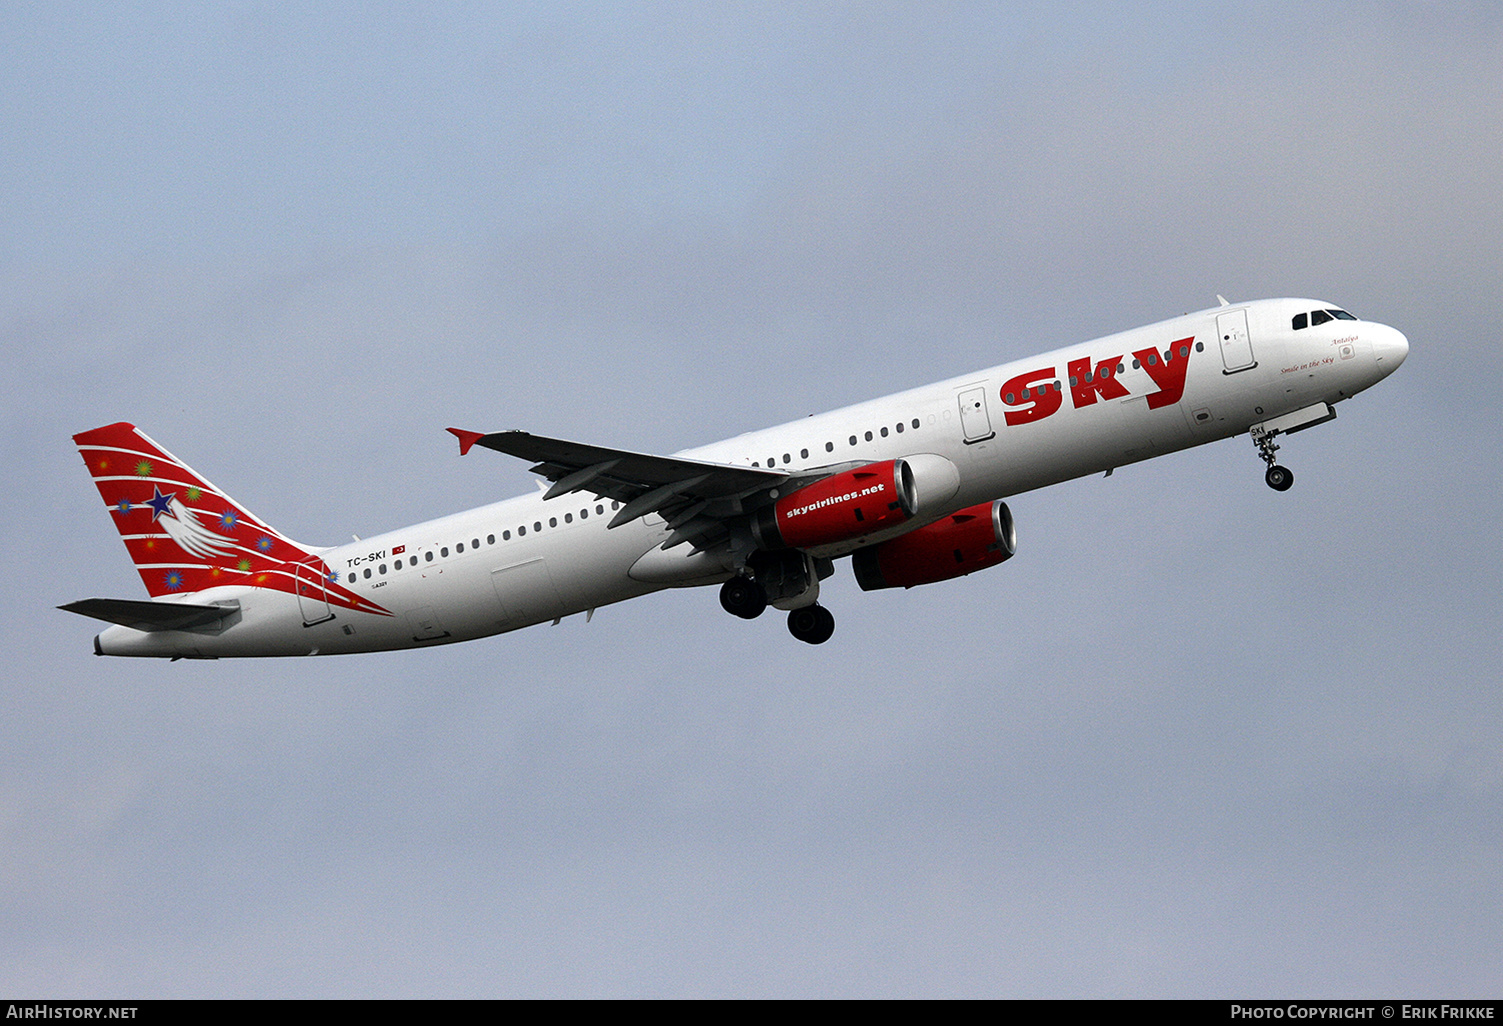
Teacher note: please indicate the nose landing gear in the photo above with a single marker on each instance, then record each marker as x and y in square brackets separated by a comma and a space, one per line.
[1280, 479]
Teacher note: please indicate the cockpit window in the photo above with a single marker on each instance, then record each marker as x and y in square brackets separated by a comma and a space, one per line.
[1320, 317]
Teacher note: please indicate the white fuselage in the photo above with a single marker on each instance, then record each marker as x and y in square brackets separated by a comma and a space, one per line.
[528, 560]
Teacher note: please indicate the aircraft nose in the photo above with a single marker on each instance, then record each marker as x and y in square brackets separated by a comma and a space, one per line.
[1389, 348]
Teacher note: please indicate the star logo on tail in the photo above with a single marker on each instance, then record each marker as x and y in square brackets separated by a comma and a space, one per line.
[169, 513]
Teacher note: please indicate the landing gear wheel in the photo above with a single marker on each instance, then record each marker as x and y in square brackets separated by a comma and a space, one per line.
[743, 597]
[1280, 479]
[813, 624]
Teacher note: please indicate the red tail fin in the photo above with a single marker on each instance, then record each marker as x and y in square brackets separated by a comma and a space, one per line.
[182, 533]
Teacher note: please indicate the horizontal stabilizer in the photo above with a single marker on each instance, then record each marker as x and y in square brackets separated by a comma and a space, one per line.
[151, 616]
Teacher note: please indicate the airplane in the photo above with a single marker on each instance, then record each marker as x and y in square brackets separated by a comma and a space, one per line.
[910, 486]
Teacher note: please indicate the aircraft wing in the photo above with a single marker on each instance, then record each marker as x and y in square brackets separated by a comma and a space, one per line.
[693, 496]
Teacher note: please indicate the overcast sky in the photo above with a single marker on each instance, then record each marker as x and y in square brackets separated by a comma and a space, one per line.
[1199, 738]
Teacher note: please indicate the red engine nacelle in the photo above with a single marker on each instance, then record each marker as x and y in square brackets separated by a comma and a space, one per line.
[839, 508]
[972, 539]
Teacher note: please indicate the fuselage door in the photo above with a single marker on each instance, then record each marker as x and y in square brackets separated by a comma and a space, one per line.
[1236, 343]
[974, 419]
[312, 595]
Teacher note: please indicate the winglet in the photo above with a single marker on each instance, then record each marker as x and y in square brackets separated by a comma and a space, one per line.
[466, 438]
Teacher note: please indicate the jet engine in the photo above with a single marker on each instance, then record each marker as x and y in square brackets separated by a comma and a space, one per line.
[856, 503]
[965, 541]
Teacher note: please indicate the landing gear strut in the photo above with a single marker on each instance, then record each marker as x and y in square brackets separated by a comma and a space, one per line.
[1280, 479]
[813, 624]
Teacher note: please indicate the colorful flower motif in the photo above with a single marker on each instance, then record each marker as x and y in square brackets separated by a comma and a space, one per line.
[228, 521]
[123, 506]
[173, 580]
[143, 469]
[332, 576]
[194, 493]
[243, 566]
[263, 544]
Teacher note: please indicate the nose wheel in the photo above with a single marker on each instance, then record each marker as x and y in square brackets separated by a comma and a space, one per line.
[1280, 479]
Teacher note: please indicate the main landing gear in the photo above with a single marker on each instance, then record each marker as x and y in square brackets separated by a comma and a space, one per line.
[744, 597]
[1280, 479]
[813, 624]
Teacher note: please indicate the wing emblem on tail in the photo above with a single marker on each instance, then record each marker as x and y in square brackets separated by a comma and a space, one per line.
[189, 532]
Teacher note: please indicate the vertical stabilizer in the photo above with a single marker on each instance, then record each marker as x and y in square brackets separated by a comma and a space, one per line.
[183, 534]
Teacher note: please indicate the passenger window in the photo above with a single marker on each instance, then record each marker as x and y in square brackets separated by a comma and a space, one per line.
[428, 556]
[584, 514]
[490, 539]
[853, 439]
[537, 525]
[553, 521]
[521, 530]
[367, 573]
[1301, 321]
[474, 543]
[803, 454]
[600, 510]
[829, 447]
[444, 552]
[381, 569]
[459, 548]
[506, 536]
[900, 427]
[787, 459]
[568, 518]
[884, 432]
[915, 423]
